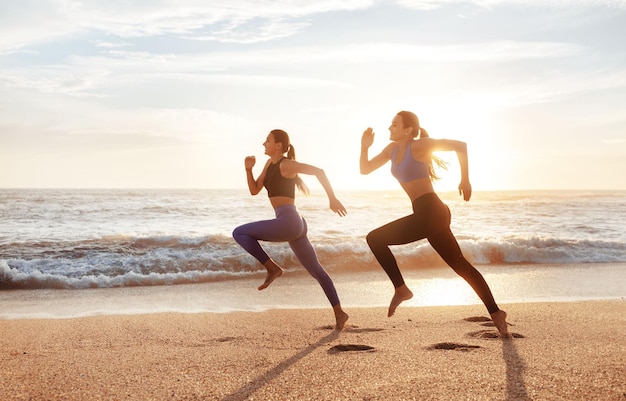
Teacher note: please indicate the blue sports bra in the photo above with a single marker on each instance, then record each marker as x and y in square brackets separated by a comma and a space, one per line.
[408, 169]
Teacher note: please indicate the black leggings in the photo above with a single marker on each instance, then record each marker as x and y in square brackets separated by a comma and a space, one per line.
[431, 220]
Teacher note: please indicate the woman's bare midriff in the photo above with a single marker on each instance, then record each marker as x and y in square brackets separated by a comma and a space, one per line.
[417, 188]
[277, 201]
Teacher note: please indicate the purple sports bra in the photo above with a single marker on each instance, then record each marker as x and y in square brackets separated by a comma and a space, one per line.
[408, 169]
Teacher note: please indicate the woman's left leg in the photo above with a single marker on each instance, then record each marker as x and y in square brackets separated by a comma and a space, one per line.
[448, 248]
[305, 253]
[446, 245]
[443, 241]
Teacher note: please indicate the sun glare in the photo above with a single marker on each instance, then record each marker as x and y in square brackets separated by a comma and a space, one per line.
[442, 291]
[466, 119]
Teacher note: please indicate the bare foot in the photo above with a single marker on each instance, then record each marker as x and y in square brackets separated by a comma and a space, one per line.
[341, 317]
[273, 272]
[499, 320]
[401, 294]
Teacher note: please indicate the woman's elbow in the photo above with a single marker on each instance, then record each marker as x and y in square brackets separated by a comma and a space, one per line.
[320, 173]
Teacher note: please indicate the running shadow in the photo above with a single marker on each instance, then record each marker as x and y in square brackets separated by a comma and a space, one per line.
[255, 384]
[515, 368]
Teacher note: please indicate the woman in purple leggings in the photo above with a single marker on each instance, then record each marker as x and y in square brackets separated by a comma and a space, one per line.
[280, 177]
[412, 165]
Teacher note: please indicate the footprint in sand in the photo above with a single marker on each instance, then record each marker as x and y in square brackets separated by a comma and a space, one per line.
[453, 346]
[351, 329]
[213, 341]
[350, 348]
[225, 339]
[355, 329]
[477, 319]
[487, 334]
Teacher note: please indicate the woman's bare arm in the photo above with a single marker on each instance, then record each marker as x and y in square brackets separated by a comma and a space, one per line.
[254, 185]
[366, 164]
[289, 168]
[460, 148]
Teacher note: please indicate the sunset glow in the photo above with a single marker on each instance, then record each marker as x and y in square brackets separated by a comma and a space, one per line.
[176, 94]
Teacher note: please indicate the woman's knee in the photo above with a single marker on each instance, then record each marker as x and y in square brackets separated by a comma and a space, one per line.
[239, 234]
[373, 238]
[318, 273]
[460, 264]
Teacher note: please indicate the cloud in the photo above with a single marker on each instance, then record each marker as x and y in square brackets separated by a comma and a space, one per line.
[23, 23]
[247, 31]
[56, 79]
[434, 4]
[110, 45]
[29, 22]
[95, 76]
[116, 130]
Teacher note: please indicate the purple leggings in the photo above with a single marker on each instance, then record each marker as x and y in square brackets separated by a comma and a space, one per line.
[288, 226]
[430, 220]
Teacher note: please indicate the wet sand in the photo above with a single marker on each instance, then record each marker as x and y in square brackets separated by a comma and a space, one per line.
[560, 351]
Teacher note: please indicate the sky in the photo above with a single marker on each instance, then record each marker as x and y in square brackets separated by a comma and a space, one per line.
[175, 93]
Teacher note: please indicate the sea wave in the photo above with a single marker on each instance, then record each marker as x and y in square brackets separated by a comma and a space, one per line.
[121, 261]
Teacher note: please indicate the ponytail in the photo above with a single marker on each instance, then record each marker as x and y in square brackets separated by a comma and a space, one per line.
[435, 161]
[409, 119]
[282, 137]
[291, 153]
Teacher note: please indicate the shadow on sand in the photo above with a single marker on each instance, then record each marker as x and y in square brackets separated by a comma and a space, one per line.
[255, 384]
[515, 367]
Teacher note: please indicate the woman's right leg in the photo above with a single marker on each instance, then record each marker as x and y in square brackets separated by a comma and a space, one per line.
[398, 232]
[402, 231]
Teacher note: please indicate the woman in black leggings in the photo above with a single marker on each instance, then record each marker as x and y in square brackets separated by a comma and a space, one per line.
[412, 165]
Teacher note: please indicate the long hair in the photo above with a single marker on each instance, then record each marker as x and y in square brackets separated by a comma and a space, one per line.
[409, 119]
[282, 137]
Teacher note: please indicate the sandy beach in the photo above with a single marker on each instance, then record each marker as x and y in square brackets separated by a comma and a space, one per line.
[561, 351]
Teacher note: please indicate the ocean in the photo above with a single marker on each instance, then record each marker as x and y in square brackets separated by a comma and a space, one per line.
[77, 252]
